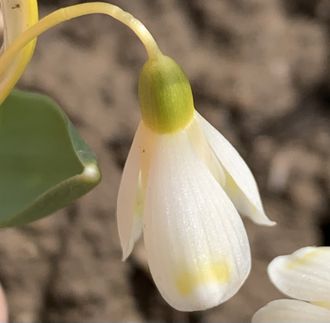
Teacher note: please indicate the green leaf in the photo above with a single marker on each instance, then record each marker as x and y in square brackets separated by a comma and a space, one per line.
[44, 164]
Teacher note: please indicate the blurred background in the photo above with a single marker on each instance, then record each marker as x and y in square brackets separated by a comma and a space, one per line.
[260, 73]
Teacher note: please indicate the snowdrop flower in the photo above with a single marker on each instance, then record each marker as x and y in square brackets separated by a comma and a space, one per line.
[184, 184]
[3, 307]
[305, 276]
[17, 16]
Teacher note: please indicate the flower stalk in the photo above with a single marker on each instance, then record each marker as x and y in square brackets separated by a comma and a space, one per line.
[71, 12]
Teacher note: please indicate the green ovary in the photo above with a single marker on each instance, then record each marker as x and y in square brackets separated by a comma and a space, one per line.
[165, 96]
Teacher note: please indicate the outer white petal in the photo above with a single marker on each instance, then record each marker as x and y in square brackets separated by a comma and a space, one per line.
[197, 247]
[129, 219]
[240, 183]
[291, 311]
[304, 275]
[3, 307]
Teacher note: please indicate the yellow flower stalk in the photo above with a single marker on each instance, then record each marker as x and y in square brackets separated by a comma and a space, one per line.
[19, 45]
[17, 16]
[183, 183]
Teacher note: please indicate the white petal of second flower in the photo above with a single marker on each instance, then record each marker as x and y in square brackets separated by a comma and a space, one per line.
[197, 247]
[291, 311]
[240, 183]
[129, 219]
[304, 275]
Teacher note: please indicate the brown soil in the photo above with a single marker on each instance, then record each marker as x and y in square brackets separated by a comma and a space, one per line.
[260, 73]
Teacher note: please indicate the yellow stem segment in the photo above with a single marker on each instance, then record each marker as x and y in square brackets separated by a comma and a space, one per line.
[75, 11]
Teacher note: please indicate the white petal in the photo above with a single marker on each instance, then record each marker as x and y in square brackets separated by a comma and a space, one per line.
[291, 311]
[3, 307]
[197, 247]
[240, 183]
[205, 153]
[304, 275]
[129, 215]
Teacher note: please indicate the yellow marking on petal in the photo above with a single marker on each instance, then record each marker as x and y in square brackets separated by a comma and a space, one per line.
[190, 279]
[231, 186]
[139, 202]
[16, 19]
[322, 304]
[304, 259]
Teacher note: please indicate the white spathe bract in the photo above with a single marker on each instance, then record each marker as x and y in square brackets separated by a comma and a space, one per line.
[304, 275]
[176, 186]
[3, 307]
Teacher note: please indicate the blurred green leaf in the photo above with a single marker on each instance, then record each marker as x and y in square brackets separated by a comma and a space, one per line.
[44, 164]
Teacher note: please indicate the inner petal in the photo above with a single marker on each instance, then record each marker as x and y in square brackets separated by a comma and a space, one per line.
[205, 153]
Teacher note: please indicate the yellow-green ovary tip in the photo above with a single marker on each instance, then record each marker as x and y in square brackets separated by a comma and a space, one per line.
[165, 95]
